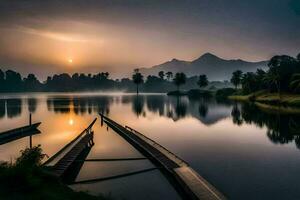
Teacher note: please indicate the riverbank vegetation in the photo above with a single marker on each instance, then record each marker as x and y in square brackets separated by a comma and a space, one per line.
[278, 85]
[26, 179]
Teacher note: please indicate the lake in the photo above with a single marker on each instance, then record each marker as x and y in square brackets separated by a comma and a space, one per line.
[244, 152]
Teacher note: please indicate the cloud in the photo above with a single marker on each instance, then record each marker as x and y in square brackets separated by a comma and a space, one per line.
[58, 36]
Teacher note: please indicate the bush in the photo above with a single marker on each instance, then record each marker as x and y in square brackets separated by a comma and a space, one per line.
[31, 157]
[225, 92]
[27, 179]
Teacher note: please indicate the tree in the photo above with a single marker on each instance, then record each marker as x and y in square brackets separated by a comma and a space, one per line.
[31, 83]
[202, 82]
[236, 78]
[298, 57]
[281, 69]
[249, 83]
[295, 82]
[169, 75]
[13, 81]
[137, 78]
[179, 79]
[260, 78]
[272, 78]
[161, 74]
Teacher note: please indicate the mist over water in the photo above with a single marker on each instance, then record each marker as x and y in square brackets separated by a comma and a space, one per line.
[237, 147]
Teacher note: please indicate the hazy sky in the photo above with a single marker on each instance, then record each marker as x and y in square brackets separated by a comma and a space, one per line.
[119, 35]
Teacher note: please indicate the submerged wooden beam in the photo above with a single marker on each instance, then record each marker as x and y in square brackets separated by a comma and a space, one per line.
[192, 185]
[111, 159]
[114, 177]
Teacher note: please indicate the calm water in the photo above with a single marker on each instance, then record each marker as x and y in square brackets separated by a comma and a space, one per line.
[244, 152]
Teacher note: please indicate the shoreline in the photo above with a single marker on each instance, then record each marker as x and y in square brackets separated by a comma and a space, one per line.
[287, 103]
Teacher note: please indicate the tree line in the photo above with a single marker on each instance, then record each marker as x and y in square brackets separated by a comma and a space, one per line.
[178, 80]
[282, 75]
[12, 81]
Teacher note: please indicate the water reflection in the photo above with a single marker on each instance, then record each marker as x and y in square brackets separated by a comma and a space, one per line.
[138, 103]
[59, 105]
[80, 105]
[10, 107]
[218, 138]
[236, 115]
[281, 128]
[32, 104]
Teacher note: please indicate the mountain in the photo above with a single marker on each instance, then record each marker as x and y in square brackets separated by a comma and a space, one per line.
[214, 67]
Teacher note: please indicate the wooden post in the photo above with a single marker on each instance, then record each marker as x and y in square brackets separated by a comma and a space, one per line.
[101, 119]
[30, 137]
[30, 122]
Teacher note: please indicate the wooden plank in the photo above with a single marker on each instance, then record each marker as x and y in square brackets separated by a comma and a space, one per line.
[65, 162]
[194, 183]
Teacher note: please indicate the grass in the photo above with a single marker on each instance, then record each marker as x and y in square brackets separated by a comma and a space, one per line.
[26, 179]
[239, 97]
[269, 98]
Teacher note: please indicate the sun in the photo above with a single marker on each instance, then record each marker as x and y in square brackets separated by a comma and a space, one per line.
[70, 61]
[71, 122]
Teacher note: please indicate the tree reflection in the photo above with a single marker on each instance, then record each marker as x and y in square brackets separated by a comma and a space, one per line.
[236, 115]
[180, 108]
[203, 109]
[32, 104]
[156, 103]
[13, 107]
[59, 105]
[281, 128]
[80, 105]
[138, 105]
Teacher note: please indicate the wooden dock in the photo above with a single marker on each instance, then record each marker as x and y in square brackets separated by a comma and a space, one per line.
[18, 133]
[191, 184]
[63, 159]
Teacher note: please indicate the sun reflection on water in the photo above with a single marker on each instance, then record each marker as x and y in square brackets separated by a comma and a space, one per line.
[71, 122]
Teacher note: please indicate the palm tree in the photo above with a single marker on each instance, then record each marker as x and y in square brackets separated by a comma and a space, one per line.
[161, 74]
[169, 75]
[236, 78]
[273, 78]
[295, 82]
[202, 82]
[137, 78]
[179, 79]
